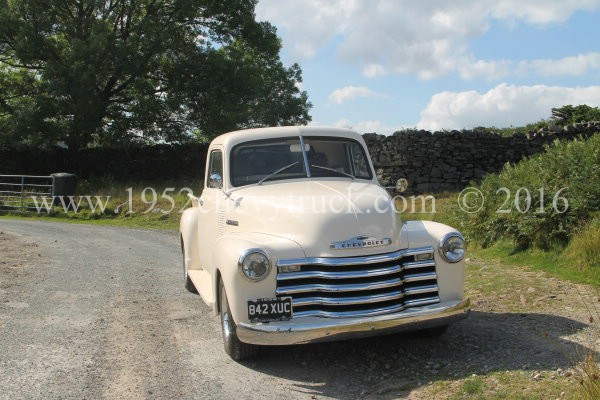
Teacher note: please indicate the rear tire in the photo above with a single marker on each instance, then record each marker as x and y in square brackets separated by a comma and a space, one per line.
[187, 282]
[236, 349]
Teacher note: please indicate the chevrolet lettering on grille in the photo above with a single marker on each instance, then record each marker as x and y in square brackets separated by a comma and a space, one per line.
[360, 242]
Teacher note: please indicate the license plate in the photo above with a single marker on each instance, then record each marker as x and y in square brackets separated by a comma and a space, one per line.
[265, 310]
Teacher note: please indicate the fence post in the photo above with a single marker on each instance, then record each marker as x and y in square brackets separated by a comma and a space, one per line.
[22, 193]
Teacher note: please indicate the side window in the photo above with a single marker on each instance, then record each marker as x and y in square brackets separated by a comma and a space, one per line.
[215, 170]
[359, 163]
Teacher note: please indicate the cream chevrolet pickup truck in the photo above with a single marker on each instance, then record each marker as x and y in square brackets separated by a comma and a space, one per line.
[294, 241]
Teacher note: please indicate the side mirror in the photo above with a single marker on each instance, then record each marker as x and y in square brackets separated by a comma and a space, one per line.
[401, 185]
[215, 181]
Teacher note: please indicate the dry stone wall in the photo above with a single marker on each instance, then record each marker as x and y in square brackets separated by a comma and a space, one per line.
[431, 162]
[448, 161]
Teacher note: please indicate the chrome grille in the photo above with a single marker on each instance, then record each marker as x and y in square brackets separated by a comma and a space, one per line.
[339, 287]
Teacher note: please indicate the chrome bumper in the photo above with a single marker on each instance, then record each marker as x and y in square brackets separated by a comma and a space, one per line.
[312, 330]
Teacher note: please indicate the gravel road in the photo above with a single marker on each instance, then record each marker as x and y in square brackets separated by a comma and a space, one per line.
[101, 312]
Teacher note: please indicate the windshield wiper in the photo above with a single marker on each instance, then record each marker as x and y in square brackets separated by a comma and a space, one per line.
[333, 170]
[277, 171]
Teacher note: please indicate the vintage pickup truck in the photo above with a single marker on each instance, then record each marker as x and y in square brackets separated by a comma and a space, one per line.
[294, 241]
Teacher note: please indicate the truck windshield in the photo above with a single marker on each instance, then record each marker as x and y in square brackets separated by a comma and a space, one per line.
[283, 158]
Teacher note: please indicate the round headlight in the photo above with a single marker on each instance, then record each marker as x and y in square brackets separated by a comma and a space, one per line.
[254, 264]
[453, 247]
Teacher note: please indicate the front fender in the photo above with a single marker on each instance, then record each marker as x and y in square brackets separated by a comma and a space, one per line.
[451, 276]
[188, 229]
[227, 253]
[424, 233]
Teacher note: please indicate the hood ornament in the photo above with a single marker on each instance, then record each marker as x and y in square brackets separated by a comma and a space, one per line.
[360, 242]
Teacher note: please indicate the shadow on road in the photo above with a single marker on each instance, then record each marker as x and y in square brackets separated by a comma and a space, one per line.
[395, 364]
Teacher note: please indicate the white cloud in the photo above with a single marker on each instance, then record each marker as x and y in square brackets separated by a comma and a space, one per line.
[409, 37]
[311, 24]
[502, 106]
[344, 123]
[338, 96]
[402, 36]
[575, 66]
[578, 65]
[470, 69]
[373, 70]
[367, 126]
[540, 12]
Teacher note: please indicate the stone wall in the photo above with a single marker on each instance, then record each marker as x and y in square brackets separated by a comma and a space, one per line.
[431, 162]
[448, 161]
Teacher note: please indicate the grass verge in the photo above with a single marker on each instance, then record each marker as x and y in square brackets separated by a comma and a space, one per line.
[558, 263]
[155, 205]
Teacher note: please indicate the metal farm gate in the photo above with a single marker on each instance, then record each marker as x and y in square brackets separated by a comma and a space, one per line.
[17, 192]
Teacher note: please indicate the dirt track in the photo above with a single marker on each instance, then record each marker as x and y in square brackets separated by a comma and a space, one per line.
[100, 312]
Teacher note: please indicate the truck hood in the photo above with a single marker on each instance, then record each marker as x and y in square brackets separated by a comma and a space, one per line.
[317, 213]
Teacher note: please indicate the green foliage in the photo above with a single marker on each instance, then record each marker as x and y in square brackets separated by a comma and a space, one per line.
[557, 262]
[583, 251]
[521, 130]
[574, 165]
[94, 72]
[265, 93]
[572, 114]
[474, 385]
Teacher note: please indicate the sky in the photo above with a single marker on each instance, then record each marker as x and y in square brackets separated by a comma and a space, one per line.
[384, 65]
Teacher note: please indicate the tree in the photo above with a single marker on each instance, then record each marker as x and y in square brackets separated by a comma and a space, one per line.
[572, 114]
[264, 92]
[94, 72]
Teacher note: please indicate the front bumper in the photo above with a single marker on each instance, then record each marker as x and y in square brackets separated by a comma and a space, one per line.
[312, 330]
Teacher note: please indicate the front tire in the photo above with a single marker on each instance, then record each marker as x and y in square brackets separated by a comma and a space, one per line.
[236, 349]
